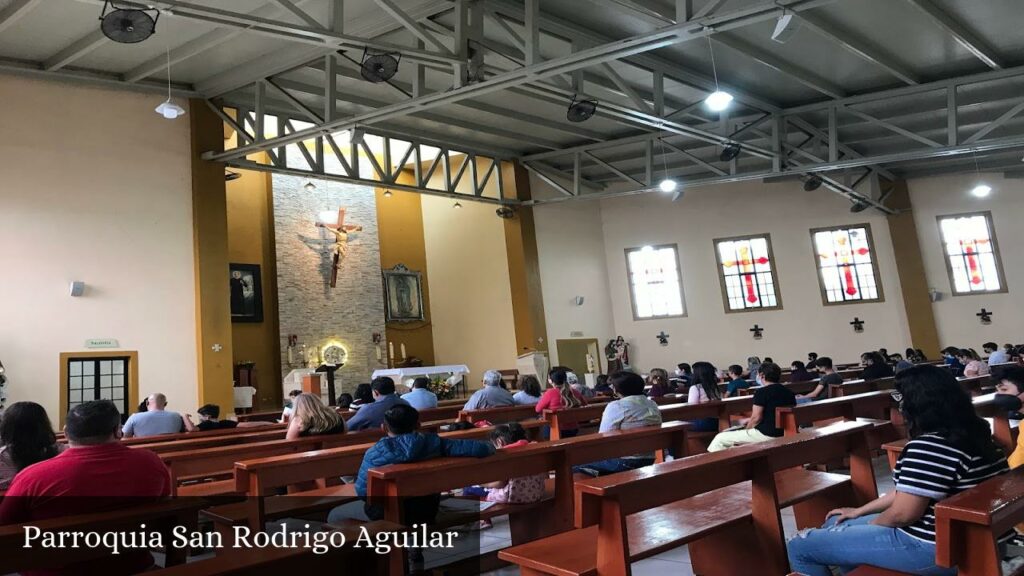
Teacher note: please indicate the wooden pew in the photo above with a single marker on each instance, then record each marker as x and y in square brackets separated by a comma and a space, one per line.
[1003, 432]
[260, 479]
[268, 416]
[851, 387]
[499, 415]
[275, 561]
[203, 469]
[134, 441]
[723, 411]
[968, 525]
[389, 484]
[725, 505]
[200, 443]
[160, 516]
[877, 406]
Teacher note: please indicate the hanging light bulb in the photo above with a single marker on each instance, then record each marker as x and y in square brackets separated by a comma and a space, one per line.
[981, 190]
[456, 205]
[667, 184]
[309, 186]
[718, 100]
[169, 109]
[387, 193]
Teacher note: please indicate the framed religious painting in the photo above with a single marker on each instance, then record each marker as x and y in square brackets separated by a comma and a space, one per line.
[246, 291]
[403, 295]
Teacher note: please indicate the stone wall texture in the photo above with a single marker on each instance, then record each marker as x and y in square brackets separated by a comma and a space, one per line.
[309, 308]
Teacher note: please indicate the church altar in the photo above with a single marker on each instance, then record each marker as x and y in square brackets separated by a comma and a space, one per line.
[401, 374]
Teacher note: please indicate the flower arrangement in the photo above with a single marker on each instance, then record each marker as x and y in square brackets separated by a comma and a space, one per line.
[441, 388]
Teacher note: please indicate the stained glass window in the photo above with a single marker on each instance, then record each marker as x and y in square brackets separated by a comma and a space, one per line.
[654, 282]
[972, 257]
[747, 273]
[847, 270]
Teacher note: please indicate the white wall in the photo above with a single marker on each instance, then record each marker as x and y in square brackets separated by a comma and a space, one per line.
[784, 211]
[570, 244]
[955, 315]
[96, 187]
[467, 273]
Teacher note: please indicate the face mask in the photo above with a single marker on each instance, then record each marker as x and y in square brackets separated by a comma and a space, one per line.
[759, 381]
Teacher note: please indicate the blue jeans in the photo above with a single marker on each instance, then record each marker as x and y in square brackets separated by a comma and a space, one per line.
[800, 401]
[613, 465]
[857, 542]
[704, 425]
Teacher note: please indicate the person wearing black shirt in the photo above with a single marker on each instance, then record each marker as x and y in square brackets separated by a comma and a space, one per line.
[761, 425]
[208, 419]
[875, 366]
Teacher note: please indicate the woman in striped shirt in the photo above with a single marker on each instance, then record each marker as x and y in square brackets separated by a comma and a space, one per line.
[950, 450]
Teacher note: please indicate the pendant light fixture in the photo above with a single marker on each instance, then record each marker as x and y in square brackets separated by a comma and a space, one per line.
[981, 190]
[718, 100]
[169, 109]
[667, 184]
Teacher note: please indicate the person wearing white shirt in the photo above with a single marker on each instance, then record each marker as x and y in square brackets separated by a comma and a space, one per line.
[633, 410]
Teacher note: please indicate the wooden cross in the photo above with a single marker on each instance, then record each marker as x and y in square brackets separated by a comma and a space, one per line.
[858, 324]
[662, 338]
[985, 315]
[341, 232]
[758, 332]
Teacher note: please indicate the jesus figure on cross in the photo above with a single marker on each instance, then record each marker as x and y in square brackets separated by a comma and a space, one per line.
[341, 232]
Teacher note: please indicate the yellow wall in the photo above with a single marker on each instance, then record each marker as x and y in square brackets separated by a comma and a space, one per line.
[251, 241]
[400, 226]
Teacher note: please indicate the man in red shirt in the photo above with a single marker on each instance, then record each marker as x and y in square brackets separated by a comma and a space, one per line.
[96, 474]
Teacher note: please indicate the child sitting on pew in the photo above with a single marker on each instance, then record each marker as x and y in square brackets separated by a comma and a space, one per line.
[950, 450]
[404, 444]
[522, 490]
[737, 382]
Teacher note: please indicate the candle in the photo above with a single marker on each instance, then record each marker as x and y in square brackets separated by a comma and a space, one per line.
[376, 349]
[391, 350]
[403, 350]
[291, 355]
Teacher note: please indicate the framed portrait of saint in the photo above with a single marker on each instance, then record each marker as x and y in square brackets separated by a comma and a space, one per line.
[403, 295]
[246, 291]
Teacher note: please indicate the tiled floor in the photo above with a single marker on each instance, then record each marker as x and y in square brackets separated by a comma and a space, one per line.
[675, 562]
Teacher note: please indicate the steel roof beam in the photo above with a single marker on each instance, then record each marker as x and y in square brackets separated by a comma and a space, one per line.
[15, 11]
[960, 33]
[789, 69]
[301, 14]
[639, 44]
[858, 46]
[411, 25]
[290, 32]
[76, 50]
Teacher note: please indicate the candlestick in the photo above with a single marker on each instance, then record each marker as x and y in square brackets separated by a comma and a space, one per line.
[391, 350]
[376, 349]
[403, 350]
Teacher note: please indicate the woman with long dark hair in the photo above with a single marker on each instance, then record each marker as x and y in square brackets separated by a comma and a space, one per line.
[950, 450]
[704, 389]
[27, 438]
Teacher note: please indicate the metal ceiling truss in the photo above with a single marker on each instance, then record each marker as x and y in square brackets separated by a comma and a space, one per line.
[805, 140]
[436, 168]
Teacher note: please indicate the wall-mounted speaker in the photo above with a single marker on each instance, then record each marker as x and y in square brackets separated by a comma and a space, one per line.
[579, 300]
[77, 288]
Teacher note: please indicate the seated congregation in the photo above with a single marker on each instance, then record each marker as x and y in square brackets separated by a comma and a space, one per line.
[591, 479]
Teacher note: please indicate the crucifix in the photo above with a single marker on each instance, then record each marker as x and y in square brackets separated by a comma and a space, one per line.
[858, 324]
[985, 315]
[758, 332]
[662, 338]
[341, 232]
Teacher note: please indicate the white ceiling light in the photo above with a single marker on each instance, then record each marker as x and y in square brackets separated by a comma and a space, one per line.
[718, 100]
[169, 109]
[981, 190]
[456, 205]
[309, 186]
[667, 184]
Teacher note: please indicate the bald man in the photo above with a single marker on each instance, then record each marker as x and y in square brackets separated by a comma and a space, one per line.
[155, 420]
